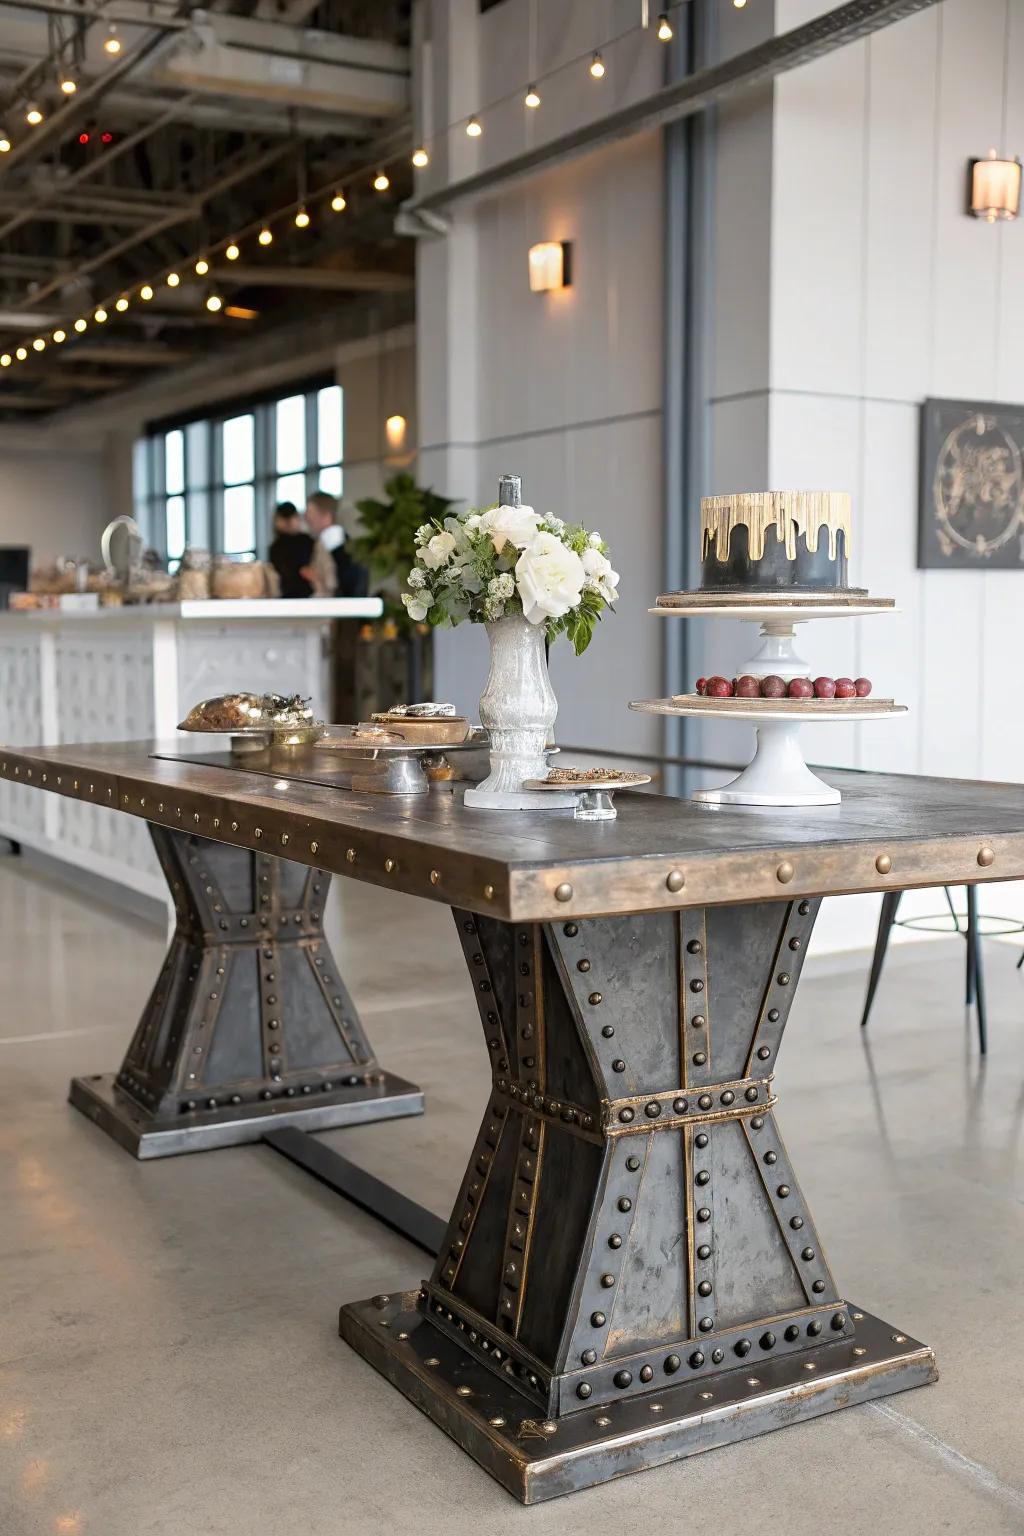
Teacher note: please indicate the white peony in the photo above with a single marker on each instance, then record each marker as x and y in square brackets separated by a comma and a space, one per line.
[550, 578]
[510, 525]
[415, 606]
[417, 578]
[600, 576]
[438, 552]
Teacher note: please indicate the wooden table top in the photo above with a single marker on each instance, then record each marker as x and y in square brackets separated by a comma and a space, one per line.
[891, 832]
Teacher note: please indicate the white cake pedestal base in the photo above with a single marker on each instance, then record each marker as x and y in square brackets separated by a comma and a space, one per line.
[777, 774]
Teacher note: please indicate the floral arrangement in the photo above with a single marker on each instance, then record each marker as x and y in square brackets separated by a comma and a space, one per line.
[485, 566]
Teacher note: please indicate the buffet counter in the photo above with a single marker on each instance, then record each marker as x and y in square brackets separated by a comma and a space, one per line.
[118, 674]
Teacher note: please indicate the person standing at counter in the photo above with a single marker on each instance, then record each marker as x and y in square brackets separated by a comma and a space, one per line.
[292, 551]
[333, 571]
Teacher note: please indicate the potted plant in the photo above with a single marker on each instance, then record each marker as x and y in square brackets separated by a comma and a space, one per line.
[528, 577]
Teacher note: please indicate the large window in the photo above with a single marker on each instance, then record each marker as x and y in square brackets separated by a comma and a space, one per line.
[212, 483]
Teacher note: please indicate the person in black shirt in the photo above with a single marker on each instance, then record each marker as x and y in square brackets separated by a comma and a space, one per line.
[291, 551]
[347, 578]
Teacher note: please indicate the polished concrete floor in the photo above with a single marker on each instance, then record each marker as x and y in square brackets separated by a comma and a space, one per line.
[169, 1362]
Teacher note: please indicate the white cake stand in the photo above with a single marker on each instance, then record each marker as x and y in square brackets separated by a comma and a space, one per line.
[777, 775]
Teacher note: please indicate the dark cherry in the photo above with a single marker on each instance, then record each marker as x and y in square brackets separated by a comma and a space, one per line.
[747, 687]
[824, 687]
[773, 687]
[863, 687]
[846, 688]
[801, 688]
[702, 684]
[719, 688]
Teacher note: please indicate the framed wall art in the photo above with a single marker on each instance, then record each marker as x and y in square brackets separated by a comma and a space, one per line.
[971, 498]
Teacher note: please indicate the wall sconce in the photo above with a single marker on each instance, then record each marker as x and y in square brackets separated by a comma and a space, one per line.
[550, 265]
[394, 431]
[995, 188]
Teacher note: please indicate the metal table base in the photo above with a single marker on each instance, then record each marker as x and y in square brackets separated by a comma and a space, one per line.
[631, 1273]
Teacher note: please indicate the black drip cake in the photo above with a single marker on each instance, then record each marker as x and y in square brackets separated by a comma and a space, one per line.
[775, 542]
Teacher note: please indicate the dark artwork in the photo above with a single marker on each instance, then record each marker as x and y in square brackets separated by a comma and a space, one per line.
[971, 501]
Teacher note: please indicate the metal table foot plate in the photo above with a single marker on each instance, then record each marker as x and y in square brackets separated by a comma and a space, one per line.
[630, 1234]
[249, 1023]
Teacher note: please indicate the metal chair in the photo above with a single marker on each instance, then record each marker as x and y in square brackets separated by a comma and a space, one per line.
[975, 981]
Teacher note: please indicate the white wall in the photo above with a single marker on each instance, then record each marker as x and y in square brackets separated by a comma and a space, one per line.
[565, 388]
[58, 502]
[882, 292]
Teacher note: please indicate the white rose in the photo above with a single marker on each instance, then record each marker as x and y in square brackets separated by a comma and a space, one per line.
[438, 552]
[600, 576]
[416, 607]
[510, 525]
[549, 577]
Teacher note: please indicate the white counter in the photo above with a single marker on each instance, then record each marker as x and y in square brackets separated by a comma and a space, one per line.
[124, 674]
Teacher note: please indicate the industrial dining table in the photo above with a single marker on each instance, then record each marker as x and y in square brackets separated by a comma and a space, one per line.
[630, 1273]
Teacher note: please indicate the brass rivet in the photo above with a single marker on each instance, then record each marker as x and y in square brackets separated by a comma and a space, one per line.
[435, 875]
[784, 873]
[489, 892]
[350, 855]
[675, 880]
[986, 856]
[389, 865]
[563, 892]
[314, 847]
[883, 863]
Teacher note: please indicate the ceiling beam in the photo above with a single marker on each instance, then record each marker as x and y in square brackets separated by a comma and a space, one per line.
[330, 279]
[125, 354]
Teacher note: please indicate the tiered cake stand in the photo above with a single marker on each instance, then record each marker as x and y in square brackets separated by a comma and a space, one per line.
[777, 774]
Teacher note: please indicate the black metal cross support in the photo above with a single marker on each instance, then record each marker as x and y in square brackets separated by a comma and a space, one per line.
[629, 1242]
[249, 1024]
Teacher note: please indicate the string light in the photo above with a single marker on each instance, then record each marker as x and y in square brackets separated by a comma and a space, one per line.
[100, 316]
[145, 292]
[532, 97]
[597, 67]
[80, 325]
[202, 267]
[739, 4]
[60, 336]
[33, 115]
[473, 128]
[214, 302]
[39, 345]
[664, 28]
[381, 182]
[232, 253]
[21, 354]
[338, 202]
[173, 279]
[5, 143]
[121, 305]
[265, 236]
[302, 219]
[5, 361]
[420, 158]
[68, 84]
[112, 43]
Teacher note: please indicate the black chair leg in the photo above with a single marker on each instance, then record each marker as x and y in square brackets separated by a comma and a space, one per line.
[887, 916]
[976, 976]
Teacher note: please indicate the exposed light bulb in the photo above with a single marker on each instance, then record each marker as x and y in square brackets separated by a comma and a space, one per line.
[664, 28]
[5, 360]
[420, 158]
[172, 279]
[112, 43]
[739, 4]
[68, 84]
[473, 128]
[39, 345]
[146, 292]
[381, 182]
[232, 253]
[532, 97]
[265, 236]
[80, 325]
[202, 267]
[214, 302]
[60, 336]
[100, 315]
[5, 143]
[597, 67]
[33, 115]
[21, 354]
[302, 219]
[121, 305]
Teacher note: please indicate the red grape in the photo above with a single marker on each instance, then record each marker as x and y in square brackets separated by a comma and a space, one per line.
[801, 688]
[773, 687]
[846, 688]
[863, 687]
[747, 687]
[702, 684]
[719, 688]
[825, 687]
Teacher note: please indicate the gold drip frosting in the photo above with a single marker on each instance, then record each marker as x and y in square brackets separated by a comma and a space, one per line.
[792, 512]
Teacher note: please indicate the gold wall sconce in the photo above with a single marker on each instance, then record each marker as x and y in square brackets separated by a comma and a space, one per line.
[995, 188]
[550, 266]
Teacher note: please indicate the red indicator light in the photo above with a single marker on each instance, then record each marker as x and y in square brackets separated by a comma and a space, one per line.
[106, 138]
[83, 138]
